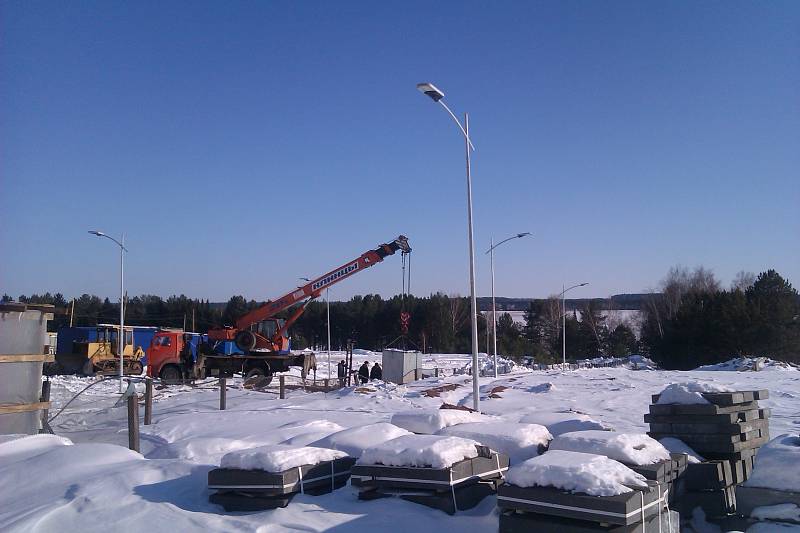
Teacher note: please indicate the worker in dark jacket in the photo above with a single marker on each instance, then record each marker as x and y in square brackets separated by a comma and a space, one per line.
[187, 359]
[341, 370]
[363, 372]
[376, 372]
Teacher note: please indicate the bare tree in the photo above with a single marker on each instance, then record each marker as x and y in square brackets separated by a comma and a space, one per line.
[458, 313]
[742, 281]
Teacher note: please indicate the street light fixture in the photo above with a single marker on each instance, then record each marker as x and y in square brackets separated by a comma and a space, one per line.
[564, 323]
[490, 251]
[121, 334]
[437, 96]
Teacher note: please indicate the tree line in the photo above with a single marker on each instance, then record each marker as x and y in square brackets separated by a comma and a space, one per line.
[688, 321]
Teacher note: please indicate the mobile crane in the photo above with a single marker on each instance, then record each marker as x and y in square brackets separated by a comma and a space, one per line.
[258, 344]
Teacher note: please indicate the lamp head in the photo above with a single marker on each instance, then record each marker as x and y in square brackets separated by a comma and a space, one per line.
[98, 233]
[583, 285]
[520, 235]
[430, 90]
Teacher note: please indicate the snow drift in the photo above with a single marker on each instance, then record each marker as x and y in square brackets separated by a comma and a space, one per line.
[558, 423]
[517, 441]
[778, 465]
[355, 440]
[429, 422]
[631, 448]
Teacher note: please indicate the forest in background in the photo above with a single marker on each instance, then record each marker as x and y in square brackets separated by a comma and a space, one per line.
[687, 321]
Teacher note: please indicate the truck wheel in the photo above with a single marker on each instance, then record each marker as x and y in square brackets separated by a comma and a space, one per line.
[260, 375]
[245, 340]
[170, 375]
[88, 368]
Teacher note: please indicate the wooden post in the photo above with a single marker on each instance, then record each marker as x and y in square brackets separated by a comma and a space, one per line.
[148, 402]
[416, 374]
[45, 398]
[223, 386]
[133, 422]
[282, 387]
[436, 372]
[326, 384]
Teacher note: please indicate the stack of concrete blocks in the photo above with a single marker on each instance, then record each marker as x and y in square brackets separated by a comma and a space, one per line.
[459, 487]
[728, 431]
[401, 366]
[258, 490]
[548, 509]
[665, 472]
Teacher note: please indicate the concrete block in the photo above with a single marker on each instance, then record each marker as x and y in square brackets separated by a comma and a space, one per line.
[465, 472]
[701, 409]
[517, 522]
[711, 475]
[278, 483]
[623, 509]
[748, 498]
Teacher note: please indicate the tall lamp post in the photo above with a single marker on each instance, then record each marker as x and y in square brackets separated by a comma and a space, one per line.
[564, 321]
[436, 95]
[328, 305]
[121, 334]
[490, 251]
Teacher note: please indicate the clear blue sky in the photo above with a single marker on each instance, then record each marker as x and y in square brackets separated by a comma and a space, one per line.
[240, 145]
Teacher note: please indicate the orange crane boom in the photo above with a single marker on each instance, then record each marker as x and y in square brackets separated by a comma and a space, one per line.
[247, 339]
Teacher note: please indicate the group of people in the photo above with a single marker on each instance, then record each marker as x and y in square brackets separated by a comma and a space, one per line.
[364, 372]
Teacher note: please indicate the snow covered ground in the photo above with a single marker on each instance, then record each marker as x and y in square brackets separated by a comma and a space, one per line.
[98, 485]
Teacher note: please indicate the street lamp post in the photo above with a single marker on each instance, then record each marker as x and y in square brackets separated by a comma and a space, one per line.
[328, 305]
[490, 251]
[121, 334]
[564, 321]
[436, 95]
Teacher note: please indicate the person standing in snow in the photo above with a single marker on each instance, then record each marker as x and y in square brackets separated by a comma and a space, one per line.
[363, 372]
[186, 358]
[341, 371]
[376, 372]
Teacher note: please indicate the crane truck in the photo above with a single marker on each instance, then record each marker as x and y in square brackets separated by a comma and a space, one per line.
[258, 344]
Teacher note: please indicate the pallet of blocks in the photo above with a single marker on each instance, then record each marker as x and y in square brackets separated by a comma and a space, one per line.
[269, 477]
[726, 428]
[773, 491]
[442, 472]
[575, 492]
[637, 451]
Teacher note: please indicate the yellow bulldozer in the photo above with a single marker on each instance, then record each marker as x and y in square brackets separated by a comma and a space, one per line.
[101, 355]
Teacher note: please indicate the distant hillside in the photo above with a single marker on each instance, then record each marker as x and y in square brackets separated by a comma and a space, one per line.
[633, 302]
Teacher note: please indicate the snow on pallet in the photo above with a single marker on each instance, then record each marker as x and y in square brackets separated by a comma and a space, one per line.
[267, 477]
[775, 480]
[585, 488]
[558, 423]
[518, 441]
[630, 448]
[442, 472]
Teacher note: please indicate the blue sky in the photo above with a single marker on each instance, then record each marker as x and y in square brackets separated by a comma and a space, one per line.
[240, 145]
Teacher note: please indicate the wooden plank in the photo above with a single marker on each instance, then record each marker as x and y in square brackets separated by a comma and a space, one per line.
[27, 358]
[23, 407]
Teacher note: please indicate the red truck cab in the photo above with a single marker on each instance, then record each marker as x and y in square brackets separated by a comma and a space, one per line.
[164, 355]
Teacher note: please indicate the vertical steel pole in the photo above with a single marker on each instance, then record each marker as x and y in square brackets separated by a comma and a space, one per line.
[328, 303]
[473, 303]
[563, 327]
[494, 312]
[121, 336]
